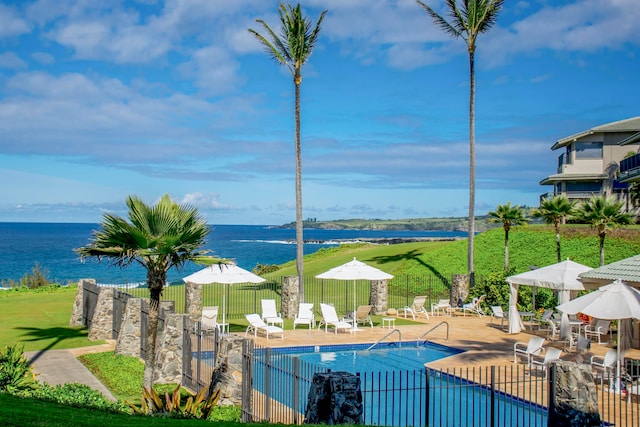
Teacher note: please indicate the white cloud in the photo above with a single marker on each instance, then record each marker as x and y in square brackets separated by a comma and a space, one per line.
[11, 61]
[11, 23]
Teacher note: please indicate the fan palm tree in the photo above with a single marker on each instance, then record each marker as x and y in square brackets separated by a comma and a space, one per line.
[156, 237]
[555, 210]
[603, 213]
[469, 20]
[509, 216]
[293, 48]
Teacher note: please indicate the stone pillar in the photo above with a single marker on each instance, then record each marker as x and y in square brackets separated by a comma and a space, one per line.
[102, 321]
[290, 296]
[334, 398]
[193, 300]
[77, 311]
[459, 289]
[128, 342]
[227, 370]
[573, 398]
[169, 353]
[378, 296]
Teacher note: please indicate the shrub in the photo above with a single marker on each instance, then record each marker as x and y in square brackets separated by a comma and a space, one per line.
[196, 406]
[261, 269]
[15, 371]
[76, 395]
[36, 279]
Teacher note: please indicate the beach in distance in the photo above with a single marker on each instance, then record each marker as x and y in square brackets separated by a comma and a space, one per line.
[51, 246]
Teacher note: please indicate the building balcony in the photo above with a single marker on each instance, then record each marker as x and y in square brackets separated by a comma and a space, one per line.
[630, 169]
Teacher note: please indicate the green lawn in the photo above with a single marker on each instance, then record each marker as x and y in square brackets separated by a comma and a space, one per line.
[40, 320]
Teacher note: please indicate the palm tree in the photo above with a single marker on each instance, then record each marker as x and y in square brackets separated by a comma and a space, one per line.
[293, 48]
[469, 20]
[509, 216]
[158, 238]
[603, 213]
[556, 211]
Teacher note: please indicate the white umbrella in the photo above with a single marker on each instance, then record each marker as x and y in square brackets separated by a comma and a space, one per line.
[226, 274]
[616, 301]
[562, 277]
[354, 270]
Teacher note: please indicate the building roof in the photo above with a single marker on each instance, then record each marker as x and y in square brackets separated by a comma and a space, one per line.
[627, 270]
[627, 125]
[552, 179]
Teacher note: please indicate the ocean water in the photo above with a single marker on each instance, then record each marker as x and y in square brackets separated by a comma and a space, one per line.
[52, 245]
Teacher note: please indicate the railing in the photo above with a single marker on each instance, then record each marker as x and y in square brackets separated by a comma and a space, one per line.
[386, 336]
[629, 167]
[444, 322]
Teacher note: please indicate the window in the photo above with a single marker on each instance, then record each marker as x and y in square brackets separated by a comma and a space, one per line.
[584, 187]
[588, 150]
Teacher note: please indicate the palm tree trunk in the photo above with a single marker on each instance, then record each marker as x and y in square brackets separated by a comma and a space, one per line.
[557, 225]
[299, 225]
[602, 236]
[472, 167]
[506, 249]
[155, 281]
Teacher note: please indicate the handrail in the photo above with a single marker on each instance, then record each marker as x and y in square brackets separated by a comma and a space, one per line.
[432, 329]
[381, 339]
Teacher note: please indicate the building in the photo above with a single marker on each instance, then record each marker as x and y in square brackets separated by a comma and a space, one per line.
[589, 163]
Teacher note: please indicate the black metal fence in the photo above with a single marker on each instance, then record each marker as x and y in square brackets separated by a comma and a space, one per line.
[276, 386]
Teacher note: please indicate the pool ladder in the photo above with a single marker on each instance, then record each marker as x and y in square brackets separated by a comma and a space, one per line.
[389, 334]
[444, 322]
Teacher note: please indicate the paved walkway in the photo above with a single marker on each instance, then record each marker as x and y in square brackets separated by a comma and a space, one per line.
[62, 366]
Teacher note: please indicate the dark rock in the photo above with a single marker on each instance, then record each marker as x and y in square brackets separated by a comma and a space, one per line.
[334, 398]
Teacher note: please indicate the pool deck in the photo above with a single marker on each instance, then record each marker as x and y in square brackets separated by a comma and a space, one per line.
[483, 343]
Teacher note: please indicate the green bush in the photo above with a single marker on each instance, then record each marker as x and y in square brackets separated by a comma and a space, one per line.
[15, 371]
[76, 395]
[36, 279]
[197, 406]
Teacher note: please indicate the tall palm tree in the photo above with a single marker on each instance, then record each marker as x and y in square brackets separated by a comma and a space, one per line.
[468, 20]
[555, 210]
[509, 216]
[156, 237]
[603, 213]
[293, 48]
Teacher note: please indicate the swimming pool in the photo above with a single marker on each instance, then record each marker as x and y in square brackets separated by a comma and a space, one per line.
[397, 389]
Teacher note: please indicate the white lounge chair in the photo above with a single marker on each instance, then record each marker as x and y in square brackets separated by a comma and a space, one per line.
[533, 347]
[473, 307]
[257, 325]
[363, 315]
[498, 313]
[305, 316]
[597, 330]
[417, 307]
[209, 318]
[330, 318]
[441, 306]
[605, 365]
[550, 355]
[270, 314]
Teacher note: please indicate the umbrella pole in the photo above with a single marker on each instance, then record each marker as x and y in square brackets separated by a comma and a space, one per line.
[355, 309]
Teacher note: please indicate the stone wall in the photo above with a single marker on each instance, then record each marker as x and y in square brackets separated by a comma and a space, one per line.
[227, 370]
[290, 296]
[459, 289]
[128, 343]
[573, 398]
[102, 321]
[193, 300]
[170, 349]
[78, 306]
[378, 296]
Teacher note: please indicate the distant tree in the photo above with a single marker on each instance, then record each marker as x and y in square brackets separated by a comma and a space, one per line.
[603, 213]
[467, 21]
[156, 237]
[293, 48]
[509, 216]
[555, 210]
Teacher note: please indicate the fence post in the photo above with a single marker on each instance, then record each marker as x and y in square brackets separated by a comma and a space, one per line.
[492, 422]
[296, 388]
[267, 384]
[427, 382]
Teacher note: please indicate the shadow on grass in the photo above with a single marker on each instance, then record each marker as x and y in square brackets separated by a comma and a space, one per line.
[411, 256]
[56, 335]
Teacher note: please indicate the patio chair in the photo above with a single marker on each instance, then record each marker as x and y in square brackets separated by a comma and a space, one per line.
[533, 347]
[498, 313]
[441, 306]
[597, 329]
[363, 315]
[550, 355]
[257, 325]
[605, 365]
[305, 316]
[416, 308]
[330, 318]
[473, 307]
[543, 323]
[270, 314]
[209, 318]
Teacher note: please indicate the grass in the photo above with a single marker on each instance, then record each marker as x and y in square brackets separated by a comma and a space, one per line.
[40, 320]
[16, 411]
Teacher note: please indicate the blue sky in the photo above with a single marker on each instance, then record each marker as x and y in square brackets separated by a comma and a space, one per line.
[103, 99]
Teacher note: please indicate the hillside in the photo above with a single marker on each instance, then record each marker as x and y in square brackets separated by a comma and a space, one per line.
[431, 224]
[528, 246]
